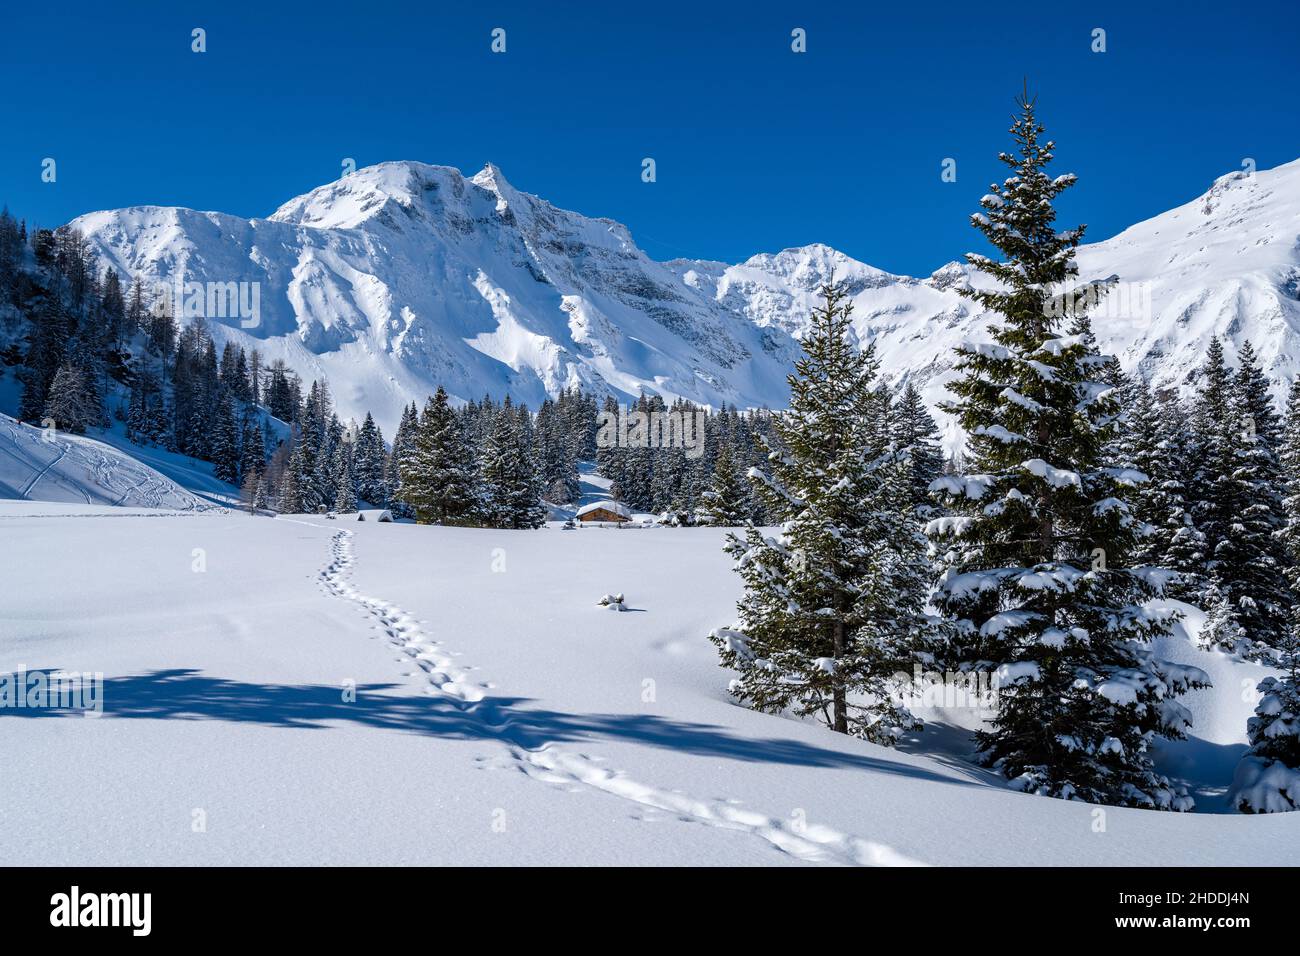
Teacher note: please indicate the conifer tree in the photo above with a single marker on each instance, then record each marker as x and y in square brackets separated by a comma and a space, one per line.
[1239, 506]
[1268, 778]
[345, 499]
[1038, 582]
[294, 490]
[370, 464]
[511, 485]
[225, 441]
[726, 503]
[252, 444]
[438, 478]
[915, 436]
[1185, 548]
[833, 603]
[1258, 572]
[47, 342]
[400, 460]
[68, 403]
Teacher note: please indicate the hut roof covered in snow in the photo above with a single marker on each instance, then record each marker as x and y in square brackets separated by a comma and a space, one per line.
[604, 510]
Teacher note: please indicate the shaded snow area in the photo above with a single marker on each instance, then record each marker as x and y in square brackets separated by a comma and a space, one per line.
[49, 465]
[301, 690]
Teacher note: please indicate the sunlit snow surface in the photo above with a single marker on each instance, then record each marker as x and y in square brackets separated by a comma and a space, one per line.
[500, 715]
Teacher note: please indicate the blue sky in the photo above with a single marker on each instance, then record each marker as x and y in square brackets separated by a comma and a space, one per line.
[757, 148]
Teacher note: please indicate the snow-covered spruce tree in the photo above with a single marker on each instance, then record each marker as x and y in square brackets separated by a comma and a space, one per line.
[69, 404]
[1184, 545]
[438, 477]
[400, 459]
[293, 487]
[1289, 456]
[726, 502]
[1258, 572]
[915, 436]
[1268, 777]
[1239, 506]
[833, 604]
[511, 482]
[252, 444]
[1140, 444]
[224, 443]
[369, 464]
[345, 499]
[1038, 582]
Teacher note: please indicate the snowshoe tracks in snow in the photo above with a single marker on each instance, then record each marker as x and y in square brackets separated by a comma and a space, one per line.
[402, 630]
[546, 762]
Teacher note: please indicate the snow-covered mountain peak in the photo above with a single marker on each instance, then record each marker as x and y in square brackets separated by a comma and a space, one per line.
[404, 275]
[494, 181]
[811, 266]
[362, 195]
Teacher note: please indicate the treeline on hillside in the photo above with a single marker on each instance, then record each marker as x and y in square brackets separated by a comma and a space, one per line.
[83, 345]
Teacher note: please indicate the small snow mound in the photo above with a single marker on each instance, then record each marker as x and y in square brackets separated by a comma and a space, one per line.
[612, 602]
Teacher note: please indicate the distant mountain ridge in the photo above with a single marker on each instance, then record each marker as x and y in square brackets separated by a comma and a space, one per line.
[403, 276]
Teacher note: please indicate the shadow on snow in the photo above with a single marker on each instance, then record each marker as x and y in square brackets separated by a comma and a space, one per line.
[188, 694]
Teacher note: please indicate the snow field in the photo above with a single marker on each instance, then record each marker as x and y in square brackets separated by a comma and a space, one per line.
[499, 716]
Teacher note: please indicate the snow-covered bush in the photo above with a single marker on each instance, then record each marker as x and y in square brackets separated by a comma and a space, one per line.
[612, 602]
[1268, 777]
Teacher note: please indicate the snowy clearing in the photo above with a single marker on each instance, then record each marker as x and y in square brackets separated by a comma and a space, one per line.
[500, 716]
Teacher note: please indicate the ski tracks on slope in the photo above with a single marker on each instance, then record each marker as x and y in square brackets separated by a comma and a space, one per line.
[549, 763]
[45, 470]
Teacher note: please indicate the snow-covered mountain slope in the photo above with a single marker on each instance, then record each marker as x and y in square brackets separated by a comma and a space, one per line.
[403, 276]
[55, 466]
[499, 717]
[1225, 264]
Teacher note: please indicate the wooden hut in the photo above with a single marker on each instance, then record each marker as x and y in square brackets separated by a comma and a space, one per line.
[604, 512]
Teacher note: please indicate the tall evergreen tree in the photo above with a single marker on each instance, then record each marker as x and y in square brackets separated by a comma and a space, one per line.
[1038, 581]
[225, 440]
[69, 405]
[833, 603]
[1268, 778]
[345, 499]
[370, 461]
[438, 479]
[1257, 575]
[726, 503]
[1239, 505]
[915, 436]
[401, 460]
[511, 483]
